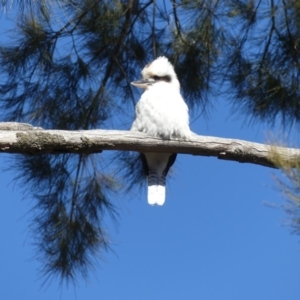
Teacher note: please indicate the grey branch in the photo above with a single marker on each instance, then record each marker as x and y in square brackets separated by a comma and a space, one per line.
[24, 139]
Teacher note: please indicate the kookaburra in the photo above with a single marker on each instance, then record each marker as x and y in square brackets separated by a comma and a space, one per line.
[161, 112]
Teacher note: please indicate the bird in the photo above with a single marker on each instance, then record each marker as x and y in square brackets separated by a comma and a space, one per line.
[161, 112]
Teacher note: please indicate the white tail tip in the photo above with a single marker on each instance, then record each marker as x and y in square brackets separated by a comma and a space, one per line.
[156, 189]
[156, 194]
[152, 194]
[160, 194]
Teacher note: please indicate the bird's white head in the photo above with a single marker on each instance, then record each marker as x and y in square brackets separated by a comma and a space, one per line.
[159, 70]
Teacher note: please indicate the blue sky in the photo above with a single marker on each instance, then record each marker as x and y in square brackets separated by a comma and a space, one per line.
[215, 238]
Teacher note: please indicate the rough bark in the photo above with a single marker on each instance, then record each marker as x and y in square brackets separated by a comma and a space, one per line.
[25, 139]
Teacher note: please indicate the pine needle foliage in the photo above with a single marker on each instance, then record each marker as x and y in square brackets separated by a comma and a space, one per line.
[289, 185]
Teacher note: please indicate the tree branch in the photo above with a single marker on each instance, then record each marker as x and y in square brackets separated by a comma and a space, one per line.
[34, 140]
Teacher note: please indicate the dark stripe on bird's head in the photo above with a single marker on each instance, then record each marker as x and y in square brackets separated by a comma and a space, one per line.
[166, 78]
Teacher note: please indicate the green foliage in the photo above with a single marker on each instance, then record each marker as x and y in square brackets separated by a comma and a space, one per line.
[70, 205]
[70, 67]
[265, 65]
[289, 185]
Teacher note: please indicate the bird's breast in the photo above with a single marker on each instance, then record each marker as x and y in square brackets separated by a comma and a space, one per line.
[163, 113]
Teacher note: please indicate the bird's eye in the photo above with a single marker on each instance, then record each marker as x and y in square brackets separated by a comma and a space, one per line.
[166, 78]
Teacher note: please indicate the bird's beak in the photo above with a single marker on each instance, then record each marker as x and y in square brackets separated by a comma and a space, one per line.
[143, 83]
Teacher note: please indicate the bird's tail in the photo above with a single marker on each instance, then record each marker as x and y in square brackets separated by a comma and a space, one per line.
[156, 189]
